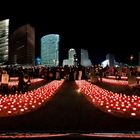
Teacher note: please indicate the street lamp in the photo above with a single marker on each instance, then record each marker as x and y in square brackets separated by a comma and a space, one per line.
[131, 59]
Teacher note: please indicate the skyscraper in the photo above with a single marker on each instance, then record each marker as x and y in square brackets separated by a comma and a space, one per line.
[111, 59]
[85, 61]
[50, 50]
[70, 61]
[72, 52]
[4, 34]
[22, 47]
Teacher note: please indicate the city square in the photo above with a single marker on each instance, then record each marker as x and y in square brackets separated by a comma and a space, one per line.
[58, 80]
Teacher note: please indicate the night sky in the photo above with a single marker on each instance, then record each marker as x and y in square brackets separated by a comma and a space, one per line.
[98, 29]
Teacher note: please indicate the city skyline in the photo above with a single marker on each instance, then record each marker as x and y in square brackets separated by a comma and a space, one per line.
[102, 33]
[94, 94]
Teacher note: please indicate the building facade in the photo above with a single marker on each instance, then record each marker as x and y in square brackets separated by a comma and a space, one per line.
[22, 46]
[111, 59]
[50, 50]
[70, 61]
[72, 52]
[85, 61]
[65, 62]
[4, 35]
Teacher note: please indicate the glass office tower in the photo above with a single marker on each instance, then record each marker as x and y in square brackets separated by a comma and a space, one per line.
[22, 46]
[4, 34]
[50, 50]
[85, 61]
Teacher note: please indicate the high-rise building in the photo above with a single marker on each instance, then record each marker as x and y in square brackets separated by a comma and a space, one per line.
[85, 61]
[65, 62]
[70, 61]
[4, 34]
[22, 46]
[72, 52]
[50, 50]
[111, 59]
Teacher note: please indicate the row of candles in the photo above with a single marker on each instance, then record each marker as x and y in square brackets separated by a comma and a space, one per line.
[115, 82]
[11, 105]
[114, 77]
[115, 103]
[33, 81]
[122, 77]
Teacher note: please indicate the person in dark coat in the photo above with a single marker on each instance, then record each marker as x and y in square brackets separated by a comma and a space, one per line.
[21, 80]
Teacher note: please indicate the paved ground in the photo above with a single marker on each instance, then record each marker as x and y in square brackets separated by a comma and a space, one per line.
[68, 111]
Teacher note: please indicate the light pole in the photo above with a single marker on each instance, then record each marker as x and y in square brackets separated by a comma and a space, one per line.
[131, 59]
[54, 61]
[75, 59]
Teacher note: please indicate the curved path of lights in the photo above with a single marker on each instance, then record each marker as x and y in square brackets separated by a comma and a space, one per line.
[33, 81]
[122, 77]
[113, 103]
[114, 77]
[11, 105]
[115, 82]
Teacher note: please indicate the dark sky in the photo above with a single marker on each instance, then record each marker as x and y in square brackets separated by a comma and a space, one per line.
[99, 29]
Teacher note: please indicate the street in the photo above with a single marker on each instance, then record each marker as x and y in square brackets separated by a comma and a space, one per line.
[68, 111]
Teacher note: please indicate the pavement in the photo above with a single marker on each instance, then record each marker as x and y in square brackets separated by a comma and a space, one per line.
[68, 111]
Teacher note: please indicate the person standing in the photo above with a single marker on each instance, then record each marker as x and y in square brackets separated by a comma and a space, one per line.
[20, 80]
[80, 73]
[4, 81]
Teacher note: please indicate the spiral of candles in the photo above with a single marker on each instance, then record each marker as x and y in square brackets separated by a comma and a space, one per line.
[11, 105]
[117, 104]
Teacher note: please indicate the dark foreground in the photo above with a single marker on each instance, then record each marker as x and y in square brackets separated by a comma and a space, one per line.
[68, 112]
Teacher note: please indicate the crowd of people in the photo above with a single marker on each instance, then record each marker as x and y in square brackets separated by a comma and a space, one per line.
[68, 73]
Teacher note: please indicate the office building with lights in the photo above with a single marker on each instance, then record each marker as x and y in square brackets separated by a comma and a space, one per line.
[70, 61]
[22, 46]
[4, 35]
[72, 52]
[111, 59]
[85, 61]
[50, 50]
